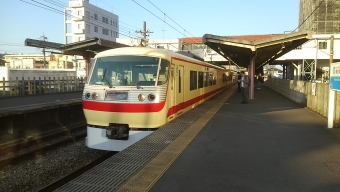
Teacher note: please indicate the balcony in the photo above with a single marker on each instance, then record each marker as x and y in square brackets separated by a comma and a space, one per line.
[75, 4]
[78, 31]
[77, 18]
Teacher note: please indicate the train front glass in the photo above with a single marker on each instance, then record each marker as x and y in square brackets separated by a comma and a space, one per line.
[117, 71]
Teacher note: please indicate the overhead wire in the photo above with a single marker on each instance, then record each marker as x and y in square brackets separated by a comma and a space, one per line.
[159, 18]
[171, 19]
[276, 54]
[309, 15]
[123, 12]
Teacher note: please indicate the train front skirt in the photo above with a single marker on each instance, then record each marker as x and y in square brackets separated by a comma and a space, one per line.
[97, 139]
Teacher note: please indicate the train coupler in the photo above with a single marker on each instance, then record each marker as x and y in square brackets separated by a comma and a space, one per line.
[118, 131]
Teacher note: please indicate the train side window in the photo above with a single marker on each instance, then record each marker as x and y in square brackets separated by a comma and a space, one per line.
[193, 80]
[206, 79]
[214, 77]
[200, 79]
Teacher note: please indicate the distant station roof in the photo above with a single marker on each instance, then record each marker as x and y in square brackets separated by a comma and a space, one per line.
[266, 48]
[86, 48]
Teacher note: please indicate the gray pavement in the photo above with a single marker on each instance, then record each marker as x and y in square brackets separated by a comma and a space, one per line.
[270, 144]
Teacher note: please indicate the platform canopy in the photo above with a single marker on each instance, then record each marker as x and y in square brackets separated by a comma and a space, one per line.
[86, 48]
[266, 48]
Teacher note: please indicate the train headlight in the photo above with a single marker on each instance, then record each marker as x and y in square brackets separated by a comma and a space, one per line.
[94, 95]
[141, 97]
[151, 97]
[87, 95]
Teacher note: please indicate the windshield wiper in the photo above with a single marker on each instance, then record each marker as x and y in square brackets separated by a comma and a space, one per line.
[104, 77]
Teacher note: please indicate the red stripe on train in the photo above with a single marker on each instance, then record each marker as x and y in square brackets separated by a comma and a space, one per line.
[183, 105]
[123, 107]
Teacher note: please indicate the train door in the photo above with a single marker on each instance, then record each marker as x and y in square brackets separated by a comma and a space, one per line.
[172, 109]
[179, 89]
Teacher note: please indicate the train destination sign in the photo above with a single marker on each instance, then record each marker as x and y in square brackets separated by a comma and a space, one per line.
[115, 96]
[334, 82]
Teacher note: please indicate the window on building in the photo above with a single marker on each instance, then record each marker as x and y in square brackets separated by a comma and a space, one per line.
[95, 16]
[68, 28]
[116, 34]
[111, 22]
[69, 39]
[105, 31]
[88, 28]
[96, 29]
[105, 20]
[87, 15]
[69, 14]
[322, 45]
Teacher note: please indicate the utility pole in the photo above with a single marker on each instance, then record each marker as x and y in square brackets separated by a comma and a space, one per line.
[144, 41]
[44, 38]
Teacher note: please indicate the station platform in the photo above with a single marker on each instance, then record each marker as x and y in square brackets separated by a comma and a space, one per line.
[25, 104]
[24, 117]
[269, 144]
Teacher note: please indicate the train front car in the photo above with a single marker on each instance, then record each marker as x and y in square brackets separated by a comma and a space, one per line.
[124, 99]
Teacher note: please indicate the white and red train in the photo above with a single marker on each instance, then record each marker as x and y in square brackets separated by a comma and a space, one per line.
[133, 91]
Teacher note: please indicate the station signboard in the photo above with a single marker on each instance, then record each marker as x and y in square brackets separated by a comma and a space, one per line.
[334, 82]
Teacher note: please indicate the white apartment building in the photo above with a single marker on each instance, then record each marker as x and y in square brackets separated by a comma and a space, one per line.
[84, 21]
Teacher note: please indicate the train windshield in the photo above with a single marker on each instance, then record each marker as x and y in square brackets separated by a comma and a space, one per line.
[116, 71]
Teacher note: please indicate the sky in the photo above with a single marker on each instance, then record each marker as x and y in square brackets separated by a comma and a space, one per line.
[22, 19]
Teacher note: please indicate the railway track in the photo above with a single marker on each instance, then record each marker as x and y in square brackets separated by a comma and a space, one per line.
[24, 149]
[76, 173]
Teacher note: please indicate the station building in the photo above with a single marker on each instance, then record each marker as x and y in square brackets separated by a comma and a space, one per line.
[310, 61]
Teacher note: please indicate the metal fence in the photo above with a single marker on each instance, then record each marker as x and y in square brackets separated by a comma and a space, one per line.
[21, 87]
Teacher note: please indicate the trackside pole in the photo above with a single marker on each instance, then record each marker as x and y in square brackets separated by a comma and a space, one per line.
[331, 108]
[331, 92]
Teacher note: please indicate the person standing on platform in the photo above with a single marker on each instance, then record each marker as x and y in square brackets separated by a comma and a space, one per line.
[259, 81]
[238, 82]
[244, 81]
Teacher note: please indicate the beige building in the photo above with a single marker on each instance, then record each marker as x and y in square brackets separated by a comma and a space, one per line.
[52, 61]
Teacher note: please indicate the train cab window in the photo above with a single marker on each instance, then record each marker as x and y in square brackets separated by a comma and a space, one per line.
[193, 80]
[163, 72]
[126, 71]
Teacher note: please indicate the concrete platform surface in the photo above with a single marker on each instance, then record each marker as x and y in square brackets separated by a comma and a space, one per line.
[269, 144]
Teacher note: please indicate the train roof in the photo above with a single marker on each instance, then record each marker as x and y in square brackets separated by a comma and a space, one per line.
[150, 52]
